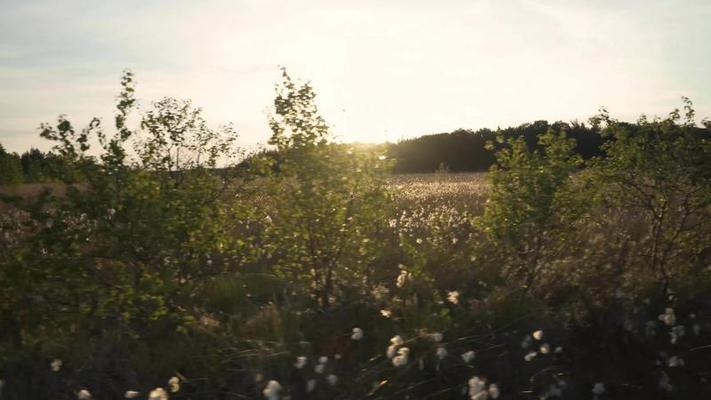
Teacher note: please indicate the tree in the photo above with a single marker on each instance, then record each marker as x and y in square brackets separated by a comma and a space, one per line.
[128, 250]
[659, 173]
[330, 199]
[531, 203]
[10, 168]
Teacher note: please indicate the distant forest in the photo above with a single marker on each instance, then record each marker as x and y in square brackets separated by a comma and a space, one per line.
[30, 167]
[462, 150]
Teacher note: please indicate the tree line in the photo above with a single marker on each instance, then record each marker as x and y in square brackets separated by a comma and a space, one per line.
[465, 150]
[32, 166]
[462, 150]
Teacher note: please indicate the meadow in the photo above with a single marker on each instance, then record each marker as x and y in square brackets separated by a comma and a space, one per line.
[150, 270]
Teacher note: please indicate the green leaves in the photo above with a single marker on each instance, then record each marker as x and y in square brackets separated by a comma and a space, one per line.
[178, 139]
[530, 195]
[296, 122]
[658, 170]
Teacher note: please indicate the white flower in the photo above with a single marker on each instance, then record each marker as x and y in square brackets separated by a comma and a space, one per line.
[111, 212]
[310, 385]
[494, 391]
[131, 394]
[300, 362]
[538, 335]
[545, 348]
[675, 361]
[441, 353]
[397, 340]
[84, 395]
[357, 334]
[380, 291]
[530, 356]
[56, 365]
[453, 297]
[158, 394]
[392, 350]
[483, 395]
[436, 337]
[332, 379]
[323, 359]
[477, 386]
[468, 356]
[386, 313]
[669, 318]
[402, 278]
[598, 388]
[174, 384]
[319, 368]
[381, 158]
[401, 358]
[271, 391]
[526, 342]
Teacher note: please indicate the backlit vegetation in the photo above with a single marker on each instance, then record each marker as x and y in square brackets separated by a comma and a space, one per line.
[158, 269]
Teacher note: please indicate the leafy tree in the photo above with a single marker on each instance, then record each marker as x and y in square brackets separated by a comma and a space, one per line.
[531, 204]
[10, 168]
[179, 139]
[658, 173]
[328, 199]
[71, 147]
[124, 254]
[38, 166]
[465, 150]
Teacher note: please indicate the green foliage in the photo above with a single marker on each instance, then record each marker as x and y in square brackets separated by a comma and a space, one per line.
[179, 139]
[465, 150]
[39, 167]
[10, 168]
[329, 201]
[531, 202]
[658, 173]
[123, 254]
[296, 123]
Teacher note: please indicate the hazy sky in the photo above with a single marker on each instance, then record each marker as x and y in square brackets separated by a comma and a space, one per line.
[383, 70]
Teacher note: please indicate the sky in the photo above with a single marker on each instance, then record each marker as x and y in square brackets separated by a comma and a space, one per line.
[383, 70]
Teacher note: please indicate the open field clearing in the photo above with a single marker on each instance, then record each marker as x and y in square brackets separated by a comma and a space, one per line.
[464, 191]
